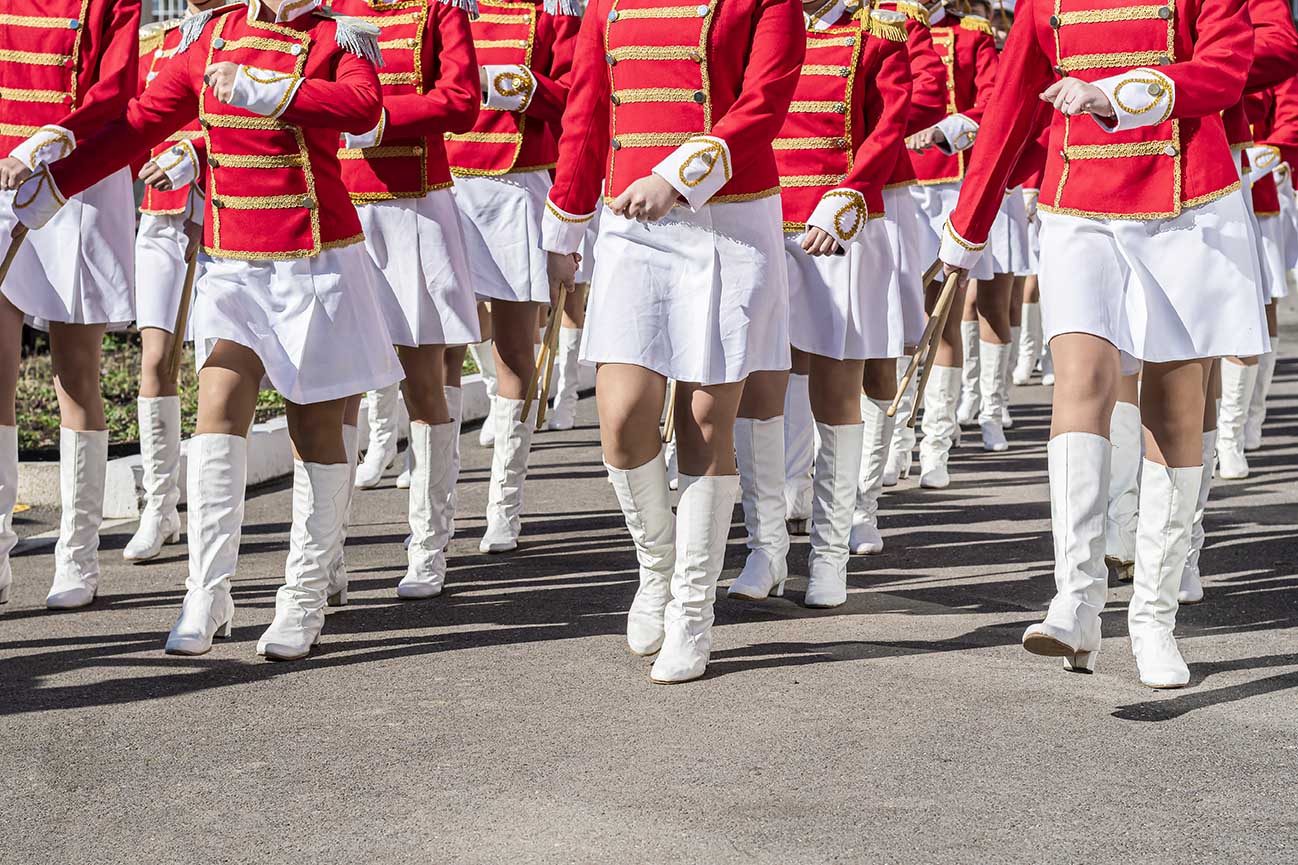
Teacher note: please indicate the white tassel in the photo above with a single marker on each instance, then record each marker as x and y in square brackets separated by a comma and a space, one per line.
[470, 6]
[356, 36]
[191, 28]
[563, 7]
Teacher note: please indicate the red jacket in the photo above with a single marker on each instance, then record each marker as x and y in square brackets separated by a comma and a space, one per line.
[430, 88]
[1283, 134]
[1168, 149]
[518, 33]
[843, 133]
[73, 64]
[274, 188]
[928, 93]
[968, 50]
[652, 76]
[158, 43]
[1260, 108]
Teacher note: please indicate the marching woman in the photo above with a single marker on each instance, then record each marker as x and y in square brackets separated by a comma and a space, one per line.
[672, 112]
[836, 152]
[1146, 255]
[502, 174]
[171, 218]
[399, 179]
[273, 84]
[66, 69]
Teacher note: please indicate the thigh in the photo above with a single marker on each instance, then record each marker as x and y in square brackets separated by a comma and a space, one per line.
[76, 350]
[228, 385]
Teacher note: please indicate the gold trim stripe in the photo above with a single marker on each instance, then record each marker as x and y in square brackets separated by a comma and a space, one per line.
[19, 131]
[479, 44]
[653, 94]
[14, 94]
[34, 57]
[487, 137]
[398, 78]
[259, 43]
[390, 20]
[822, 69]
[230, 121]
[653, 52]
[809, 144]
[381, 152]
[795, 181]
[256, 160]
[654, 139]
[1103, 16]
[816, 107]
[503, 18]
[1111, 61]
[1118, 151]
[662, 12]
[34, 21]
[259, 202]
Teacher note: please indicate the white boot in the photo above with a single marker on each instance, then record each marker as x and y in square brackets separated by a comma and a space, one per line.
[1007, 420]
[319, 496]
[455, 406]
[1079, 483]
[646, 506]
[876, 435]
[407, 463]
[1047, 368]
[338, 571]
[217, 474]
[673, 470]
[1237, 384]
[160, 454]
[702, 526]
[430, 514]
[564, 414]
[1257, 404]
[1127, 439]
[8, 500]
[940, 427]
[836, 479]
[1029, 344]
[83, 463]
[1191, 590]
[901, 452]
[970, 375]
[1168, 497]
[759, 451]
[513, 446]
[994, 367]
[485, 358]
[799, 453]
[381, 451]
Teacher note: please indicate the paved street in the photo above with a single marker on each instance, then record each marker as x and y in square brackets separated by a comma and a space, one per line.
[505, 722]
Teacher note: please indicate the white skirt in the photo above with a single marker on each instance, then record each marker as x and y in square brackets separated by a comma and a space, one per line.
[586, 267]
[423, 279]
[901, 220]
[160, 245]
[1007, 245]
[314, 322]
[502, 229]
[79, 268]
[699, 297]
[1271, 244]
[1160, 290]
[1034, 241]
[935, 204]
[846, 307]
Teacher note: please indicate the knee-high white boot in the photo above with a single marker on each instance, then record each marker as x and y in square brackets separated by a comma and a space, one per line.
[338, 571]
[1127, 440]
[1237, 383]
[836, 480]
[1029, 344]
[702, 526]
[430, 513]
[217, 476]
[1168, 498]
[1191, 591]
[1079, 483]
[673, 470]
[647, 508]
[381, 449]
[876, 436]
[513, 446]
[901, 451]
[485, 359]
[970, 375]
[83, 463]
[993, 367]
[319, 496]
[455, 406]
[1007, 364]
[1257, 404]
[1047, 368]
[940, 427]
[8, 500]
[403, 477]
[160, 454]
[564, 414]
[799, 453]
[759, 451]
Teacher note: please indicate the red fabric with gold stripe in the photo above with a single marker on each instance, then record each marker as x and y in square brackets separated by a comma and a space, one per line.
[1260, 108]
[158, 201]
[970, 57]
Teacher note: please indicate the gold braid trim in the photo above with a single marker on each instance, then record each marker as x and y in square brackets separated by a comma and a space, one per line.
[881, 29]
[976, 23]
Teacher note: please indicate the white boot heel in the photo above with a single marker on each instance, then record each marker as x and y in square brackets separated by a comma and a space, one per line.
[204, 615]
[1082, 662]
[337, 599]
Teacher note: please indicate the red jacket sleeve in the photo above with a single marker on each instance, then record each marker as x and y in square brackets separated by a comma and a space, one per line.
[452, 104]
[552, 84]
[1284, 130]
[986, 62]
[584, 143]
[1275, 44]
[1212, 80]
[351, 102]
[114, 78]
[887, 106]
[928, 79]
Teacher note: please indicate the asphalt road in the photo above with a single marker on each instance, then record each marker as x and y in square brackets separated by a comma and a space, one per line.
[506, 723]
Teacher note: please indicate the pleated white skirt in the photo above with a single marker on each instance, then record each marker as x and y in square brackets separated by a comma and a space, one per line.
[160, 245]
[935, 204]
[502, 231]
[1007, 245]
[901, 220]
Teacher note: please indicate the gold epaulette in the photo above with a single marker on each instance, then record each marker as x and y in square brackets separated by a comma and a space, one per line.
[913, 11]
[153, 34]
[976, 23]
[883, 24]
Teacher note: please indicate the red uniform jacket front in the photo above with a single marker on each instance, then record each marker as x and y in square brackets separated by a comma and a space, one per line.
[158, 44]
[1284, 129]
[1260, 108]
[928, 93]
[968, 50]
[430, 88]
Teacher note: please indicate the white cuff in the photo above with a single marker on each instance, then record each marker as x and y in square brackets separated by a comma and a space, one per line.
[1141, 97]
[841, 213]
[262, 91]
[48, 144]
[697, 169]
[1262, 160]
[37, 199]
[507, 87]
[562, 231]
[958, 252]
[180, 163]
[368, 139]
[959, 131]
